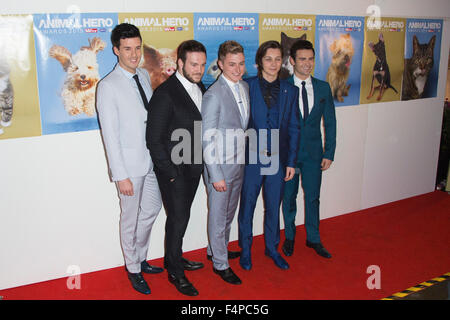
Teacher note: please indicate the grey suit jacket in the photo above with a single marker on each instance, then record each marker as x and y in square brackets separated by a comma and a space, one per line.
[223, 145]
[123, 118]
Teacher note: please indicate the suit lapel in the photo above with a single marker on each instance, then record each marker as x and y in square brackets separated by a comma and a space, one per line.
[230, 97]
[316, 97]
[182, 96]
[282, 96]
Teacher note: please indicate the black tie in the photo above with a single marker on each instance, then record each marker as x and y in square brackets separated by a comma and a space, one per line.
[141, 91]
[305, 101]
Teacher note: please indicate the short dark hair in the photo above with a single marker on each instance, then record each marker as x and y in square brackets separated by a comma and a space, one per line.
[301, 45]
[124, 31]
[189, 46]
[261, 52]
[227, 47]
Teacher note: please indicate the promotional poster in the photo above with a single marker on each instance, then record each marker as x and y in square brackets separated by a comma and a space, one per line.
[286, 28]
[161, 34]
[339, 49]
[73, 53]
[19, 103]
[212, 29]
[382, 65]
[422, 55]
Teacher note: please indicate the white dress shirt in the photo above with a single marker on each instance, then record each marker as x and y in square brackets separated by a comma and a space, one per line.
[192, 89]
[243, 110]
[148, 90]
[309, 90]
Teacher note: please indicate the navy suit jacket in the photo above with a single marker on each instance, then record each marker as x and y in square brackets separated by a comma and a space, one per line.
[311, 138]
[289, 118]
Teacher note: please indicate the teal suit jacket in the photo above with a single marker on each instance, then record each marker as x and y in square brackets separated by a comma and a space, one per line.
[311, 146]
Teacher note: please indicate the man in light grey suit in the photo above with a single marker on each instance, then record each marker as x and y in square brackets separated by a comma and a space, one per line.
[225, 114]
[122, 104]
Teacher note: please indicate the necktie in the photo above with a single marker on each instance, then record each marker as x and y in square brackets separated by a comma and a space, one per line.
[141, 91]
[305, 101]
[240, 102]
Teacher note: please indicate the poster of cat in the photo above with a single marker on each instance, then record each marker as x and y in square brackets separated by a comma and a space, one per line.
[212, 29]
[73, 53]
[382, 64]
[422, 55]
[19, 113]
[339, 48]
[286, 28]
[161, 34]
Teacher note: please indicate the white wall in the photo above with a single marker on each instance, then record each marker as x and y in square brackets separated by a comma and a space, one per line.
[58, 208]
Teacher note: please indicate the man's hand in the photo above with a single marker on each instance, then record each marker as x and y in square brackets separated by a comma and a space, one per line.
[326, 163]
[126, 187]
[289, 173]
[220, 186]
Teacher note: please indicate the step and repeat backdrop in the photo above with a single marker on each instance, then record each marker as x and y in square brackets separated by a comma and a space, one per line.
[50, 64]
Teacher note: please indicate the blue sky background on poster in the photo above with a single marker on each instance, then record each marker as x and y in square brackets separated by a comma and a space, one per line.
[328, 29]
[214, 28]
[424, 29]
[71, 31]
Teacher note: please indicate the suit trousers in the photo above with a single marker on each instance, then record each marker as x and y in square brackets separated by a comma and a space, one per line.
[222, 208]
[273, 188]
[138, 213]
[311, 176]
[177, 197]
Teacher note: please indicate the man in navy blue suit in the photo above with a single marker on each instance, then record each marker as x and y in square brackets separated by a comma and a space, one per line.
[274, 110]
[314, 156]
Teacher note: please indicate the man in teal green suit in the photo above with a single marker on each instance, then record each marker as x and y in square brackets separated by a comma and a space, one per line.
[314, 156]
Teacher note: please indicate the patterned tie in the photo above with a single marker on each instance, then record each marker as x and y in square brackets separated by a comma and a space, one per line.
[240, 103]
[141, 91]
[305, 101]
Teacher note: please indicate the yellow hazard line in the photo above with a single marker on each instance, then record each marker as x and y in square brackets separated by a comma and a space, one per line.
[418, 287]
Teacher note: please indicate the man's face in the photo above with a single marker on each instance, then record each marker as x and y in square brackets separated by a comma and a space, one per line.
[129, 53]
[303, 63]
[271, 64]
[194, 67]
[233, 66]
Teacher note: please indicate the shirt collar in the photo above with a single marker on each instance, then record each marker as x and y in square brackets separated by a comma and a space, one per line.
[185, 82]
[127, 74]
[230, 83]
[299, 81]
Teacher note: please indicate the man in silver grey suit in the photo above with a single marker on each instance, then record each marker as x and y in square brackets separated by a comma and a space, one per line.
[122, 104]
[225, 114]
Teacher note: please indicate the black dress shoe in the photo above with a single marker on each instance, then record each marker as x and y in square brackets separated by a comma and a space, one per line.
[138, 283]
[183, 285]
[288, 247]
[228, 276]
[318, 247]
[231, 255]
[146, 268]
[191, 265]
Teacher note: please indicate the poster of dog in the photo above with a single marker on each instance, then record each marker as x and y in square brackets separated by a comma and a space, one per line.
[339, 48]
[19, 113]
[286, 28]
[161, 34]
[73, 52]
[422, 57]
[382, 65]
[212, 29]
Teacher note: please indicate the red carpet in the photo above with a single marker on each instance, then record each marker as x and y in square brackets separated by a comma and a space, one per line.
[408, 240]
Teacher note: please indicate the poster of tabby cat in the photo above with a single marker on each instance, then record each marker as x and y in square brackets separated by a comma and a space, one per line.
[161, 34]
[422, 55]
[73, 53]
[19, 112]
[339, 48]
[286, 28]
[382, 65]
[212, 29]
